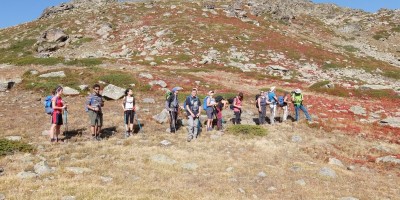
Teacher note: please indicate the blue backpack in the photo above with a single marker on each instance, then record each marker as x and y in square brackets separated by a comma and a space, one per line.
[281, 101]
[205, 103]
[271, 97]
[48, 107]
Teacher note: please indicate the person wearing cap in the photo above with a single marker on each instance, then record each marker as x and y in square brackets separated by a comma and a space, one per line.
[262, 108]
[193, 110]
[210, 109]
[172, 105]
[297, 99]
[237, 107]
[272, 104]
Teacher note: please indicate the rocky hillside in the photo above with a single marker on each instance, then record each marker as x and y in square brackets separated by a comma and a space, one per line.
[346, 61]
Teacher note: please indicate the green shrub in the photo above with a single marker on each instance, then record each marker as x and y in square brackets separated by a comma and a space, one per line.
[381, 34]
[396, 29]
[350, 48]
[118, 78]
[30, 60]
[328, 66]
[85, 62]
[395, 74]
[9, 147]
[247, 130]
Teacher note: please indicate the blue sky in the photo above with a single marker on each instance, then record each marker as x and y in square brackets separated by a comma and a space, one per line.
[13, 12]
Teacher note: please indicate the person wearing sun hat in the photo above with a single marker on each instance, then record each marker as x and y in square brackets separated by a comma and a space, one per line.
[297, 99]
[172, 105]
[272, 99]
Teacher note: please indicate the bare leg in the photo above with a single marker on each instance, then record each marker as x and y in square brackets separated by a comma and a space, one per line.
[51, 132]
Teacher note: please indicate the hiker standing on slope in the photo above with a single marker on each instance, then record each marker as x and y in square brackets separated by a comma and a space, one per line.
[172, 105]
[210, 104]
[193, 110]
[297, 99]
[262, 108]
[221, 104]
[283, 102]
[272, 104]
[94, 103]
[128, 104]
[237, 107]
[56, 117]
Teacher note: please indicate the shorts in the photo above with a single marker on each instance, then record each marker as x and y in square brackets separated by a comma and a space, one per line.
[96, 118]
[57, 118]
[129, 116]
[210, 113]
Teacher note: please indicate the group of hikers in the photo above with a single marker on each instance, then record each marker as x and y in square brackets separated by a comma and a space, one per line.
[192, 105]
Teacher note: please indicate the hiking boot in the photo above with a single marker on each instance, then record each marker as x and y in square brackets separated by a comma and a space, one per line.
[53, 140]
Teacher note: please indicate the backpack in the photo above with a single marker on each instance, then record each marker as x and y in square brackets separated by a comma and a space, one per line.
[205, 103]
[184, 103]
[48, 106]
[257, 96]
[91, 99]
[218, 99]
[271, 97]
[168, 94]
[281, 101]
[298, 99]
[230, 100]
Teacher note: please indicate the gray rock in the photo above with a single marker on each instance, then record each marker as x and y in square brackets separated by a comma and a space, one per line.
[70, 91]
[158, 82]
[272, 188]
[78, 170]
[262, 174]
[190, 166]
[229, 169]
[165, 143]
[153, 63]
[26, 175]
[14, 138]
[3, 86]
[59, 74]
[161, 117]
[113, 92]
[334, 161]
[358, 110]
[53, 10]
[278, 68]
[146, 75]
[2, 197]
[104, 30]
[300, 182]
[241, 190]
[83, 87]
[34, 72]
[388, 159]
[296, 138]
[68, 198]
[391, 121]
[295, 169]
[106, 179]
[149, 100]
[351, 168]
[327, 172]
[54, 35]
[163, 159]
[42, 168]
[348, 198]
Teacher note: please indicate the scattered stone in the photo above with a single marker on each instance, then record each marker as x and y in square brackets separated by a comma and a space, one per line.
[296, 138]
[104, 30]
[295, 169]
[241, 190]
[83, 87]
[351, 168]
[14, 138]
[165, 143]
[278, 68]
[42, 168]
[153, 64]
[388, 159]
[334, 161]
[358, 110]
[190, 166]
[106, 179]
[262, 174]
[163, 159]
[348, 198]
[59, 74]
[34, 72]
[78, 170]
[68, 198]
[328, 172]
[113, 92]
[2, 197]
[149, 100]
[229, 169]
[272, 188]
[161, 83]
[26, 175]
[161, 117]
[3, 86]
[70, 91]
[391, 121]
[300, 182]
[146, 75]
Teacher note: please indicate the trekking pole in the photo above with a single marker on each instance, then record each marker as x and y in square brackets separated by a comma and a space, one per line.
[66, 122]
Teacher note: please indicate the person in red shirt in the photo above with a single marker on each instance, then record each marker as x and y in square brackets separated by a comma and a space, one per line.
[56, 117]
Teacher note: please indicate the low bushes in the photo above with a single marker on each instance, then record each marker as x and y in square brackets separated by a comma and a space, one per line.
[247, 130]
[9, 147]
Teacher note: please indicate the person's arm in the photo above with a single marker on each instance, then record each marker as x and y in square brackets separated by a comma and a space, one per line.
[134, 104]
[123, 103]
[208, 102]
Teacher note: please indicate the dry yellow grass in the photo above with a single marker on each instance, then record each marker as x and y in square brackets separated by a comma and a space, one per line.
[227, 167]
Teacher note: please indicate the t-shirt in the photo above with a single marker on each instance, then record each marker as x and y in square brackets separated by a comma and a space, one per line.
[129, 103]
[194, 104]
[59, 103]
[95, 100]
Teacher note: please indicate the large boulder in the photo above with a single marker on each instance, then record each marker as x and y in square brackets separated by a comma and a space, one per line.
[70, 91]
[161, 117]
[358, 110]
[42, 168]
[161, 83]
[113, 92]
[58, 74]
[391, 121]
[50, 11]
[54, 35]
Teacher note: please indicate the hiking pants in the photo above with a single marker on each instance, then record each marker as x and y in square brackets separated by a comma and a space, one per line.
[262, 115]
[285, 113]
[304, 109]
[173, 116]
[237, 117]
[272, 109]
[193, 126]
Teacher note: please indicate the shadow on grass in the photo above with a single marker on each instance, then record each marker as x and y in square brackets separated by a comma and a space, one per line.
[73, 133]
[108, 132]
